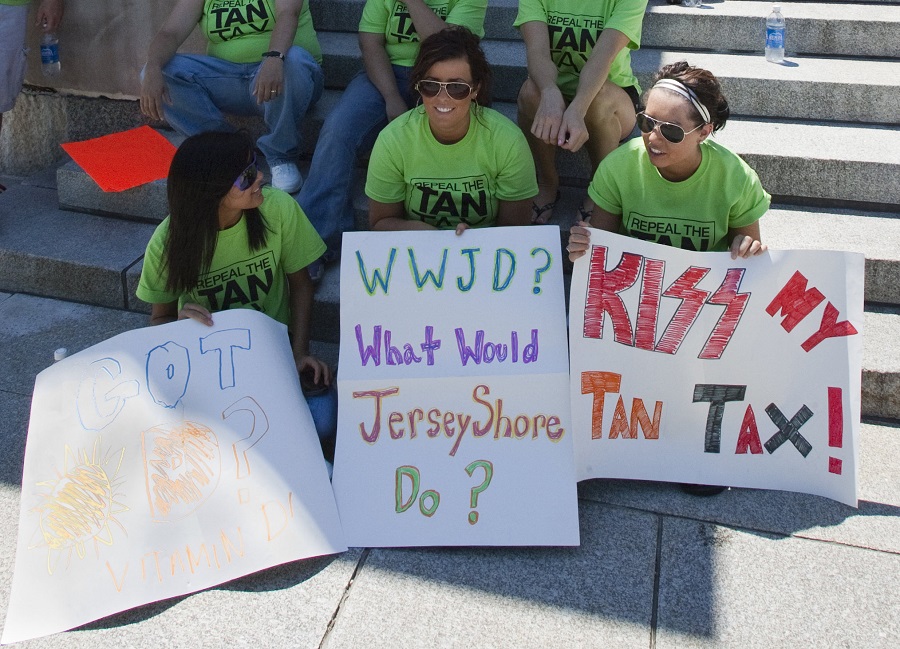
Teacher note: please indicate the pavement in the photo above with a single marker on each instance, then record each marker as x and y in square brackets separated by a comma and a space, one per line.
[656, 568]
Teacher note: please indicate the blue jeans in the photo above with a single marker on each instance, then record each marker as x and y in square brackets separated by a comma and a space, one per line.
[204, 88]
[323, 408]
[350, 128]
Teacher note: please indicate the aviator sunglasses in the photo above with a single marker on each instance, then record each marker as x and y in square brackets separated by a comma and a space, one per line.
[248, 175]
[455, 89]
[672, 132]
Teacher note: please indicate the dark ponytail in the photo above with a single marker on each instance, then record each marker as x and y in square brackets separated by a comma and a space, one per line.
[705, 85]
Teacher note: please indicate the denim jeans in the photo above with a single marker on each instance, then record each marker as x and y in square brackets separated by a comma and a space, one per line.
[350, 128]
[323, 408]
[204, 88]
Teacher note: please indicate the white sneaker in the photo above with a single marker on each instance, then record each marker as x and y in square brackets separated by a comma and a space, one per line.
[286, 177]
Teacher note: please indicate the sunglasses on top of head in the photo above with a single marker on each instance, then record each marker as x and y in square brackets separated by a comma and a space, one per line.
[455, 89]
[248, 175]
[672, 132]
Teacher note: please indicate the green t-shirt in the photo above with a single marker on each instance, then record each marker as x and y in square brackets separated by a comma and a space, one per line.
[391, 18]
[575, 26]
[238, 276]
[445, 184]
[239, 30]
[693, 214]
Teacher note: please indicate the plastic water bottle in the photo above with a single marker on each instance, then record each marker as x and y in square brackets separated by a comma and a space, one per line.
[50, 54]
[775, 36]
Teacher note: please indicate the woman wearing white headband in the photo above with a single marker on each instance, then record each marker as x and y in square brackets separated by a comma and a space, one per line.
[676, 186]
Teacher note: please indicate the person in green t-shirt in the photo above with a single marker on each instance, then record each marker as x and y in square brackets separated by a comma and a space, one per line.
[230, 244]
[451, 163]
[674, 186]
[389, 35]
[580, 89]
[262, 58]
[13, 15]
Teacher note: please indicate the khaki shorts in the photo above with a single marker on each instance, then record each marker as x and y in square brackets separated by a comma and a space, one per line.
[12, 54]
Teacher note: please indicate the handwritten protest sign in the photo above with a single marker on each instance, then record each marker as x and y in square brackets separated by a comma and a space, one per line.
[698, 368]
[161, 462]
[453, 426]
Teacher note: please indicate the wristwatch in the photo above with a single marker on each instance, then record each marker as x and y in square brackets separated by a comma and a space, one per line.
[273, 53]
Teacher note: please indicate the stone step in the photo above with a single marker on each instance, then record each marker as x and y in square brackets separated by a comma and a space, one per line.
[67, 255]
[813, 28]
[856, 90]
[819, 163]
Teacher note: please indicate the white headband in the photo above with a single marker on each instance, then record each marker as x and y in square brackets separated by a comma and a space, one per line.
[678, 87]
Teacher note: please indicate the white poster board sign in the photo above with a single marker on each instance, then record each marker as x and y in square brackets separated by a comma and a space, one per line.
[163, 461]
[693, 367]
[453, 425]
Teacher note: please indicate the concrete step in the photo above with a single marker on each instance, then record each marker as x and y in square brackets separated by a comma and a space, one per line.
[851, 90]
[813, 28]
[66, 255]
[819, 163]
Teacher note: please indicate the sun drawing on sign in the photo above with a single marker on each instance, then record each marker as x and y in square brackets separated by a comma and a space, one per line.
[80, 504]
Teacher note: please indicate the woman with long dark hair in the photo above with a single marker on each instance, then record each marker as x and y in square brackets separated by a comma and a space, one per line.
[228, 243]
[451, 163]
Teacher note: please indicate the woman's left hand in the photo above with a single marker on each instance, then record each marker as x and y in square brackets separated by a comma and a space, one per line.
[573, 132]
[745, 246]
[269, 80]
[320, 370]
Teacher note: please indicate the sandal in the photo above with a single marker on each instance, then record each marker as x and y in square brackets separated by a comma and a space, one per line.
[537, 211]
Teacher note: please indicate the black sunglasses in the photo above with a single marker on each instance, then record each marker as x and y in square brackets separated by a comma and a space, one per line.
[455, 89]
[672, 132]
[248, 175]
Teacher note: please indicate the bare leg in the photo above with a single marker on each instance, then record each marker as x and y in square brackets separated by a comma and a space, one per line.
[609, 119]
[544, 154]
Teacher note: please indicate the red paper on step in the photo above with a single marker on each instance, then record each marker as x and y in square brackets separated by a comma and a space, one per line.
[124, 160]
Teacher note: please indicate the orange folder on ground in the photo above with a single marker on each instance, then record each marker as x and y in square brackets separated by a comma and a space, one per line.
[124, 160]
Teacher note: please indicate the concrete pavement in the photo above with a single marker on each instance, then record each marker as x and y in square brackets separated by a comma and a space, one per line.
[656, 568]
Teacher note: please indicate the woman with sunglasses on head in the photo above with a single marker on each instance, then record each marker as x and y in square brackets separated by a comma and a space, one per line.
[580, 89]
[675, 186]
[228, 243]
[707, 198]
[450, 163]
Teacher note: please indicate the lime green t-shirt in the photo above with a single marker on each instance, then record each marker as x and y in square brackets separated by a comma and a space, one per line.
[445, 184]
[693, 214]
[575, 26]
[391, 18]
[239, 30]
[238, 277]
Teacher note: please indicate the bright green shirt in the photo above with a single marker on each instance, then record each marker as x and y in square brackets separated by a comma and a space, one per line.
[239, 30]
[574, 27]
[238, 277]
[391, 18]
[446, 184]
[693, 214]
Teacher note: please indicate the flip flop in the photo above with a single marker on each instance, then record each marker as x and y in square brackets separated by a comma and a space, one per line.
[538, 210]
